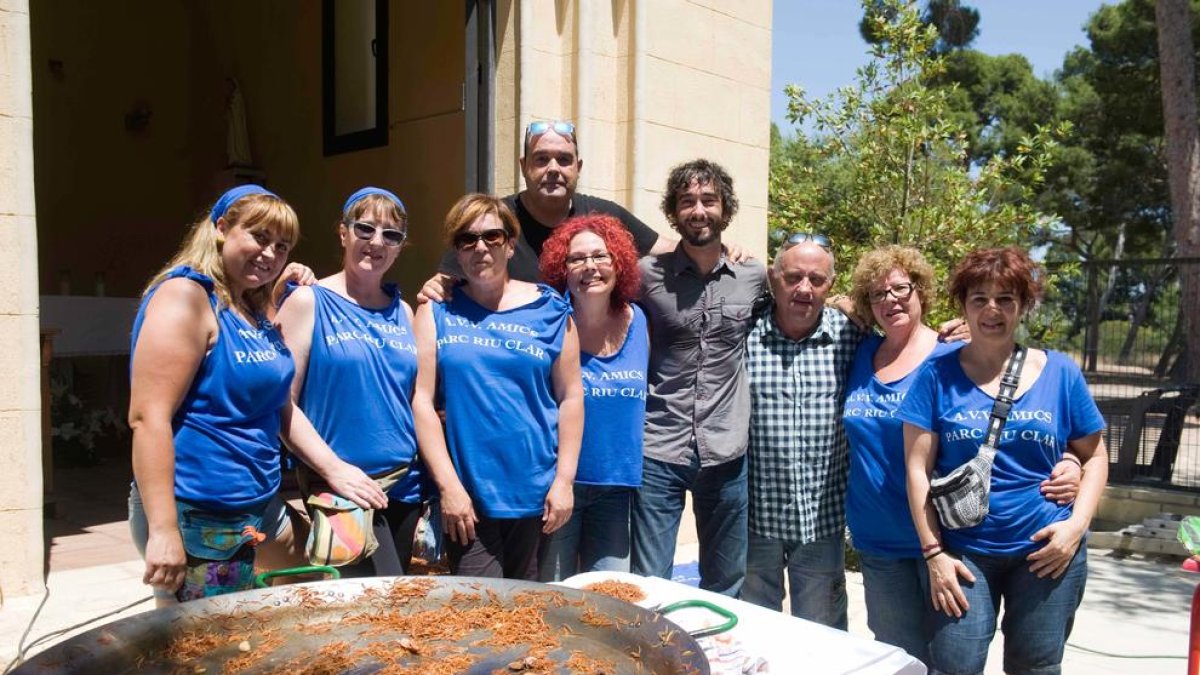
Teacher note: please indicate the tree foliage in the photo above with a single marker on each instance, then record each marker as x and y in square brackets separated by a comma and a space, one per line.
[887, 161]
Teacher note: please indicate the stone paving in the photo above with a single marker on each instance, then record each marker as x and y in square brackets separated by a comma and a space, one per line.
[1134, 606]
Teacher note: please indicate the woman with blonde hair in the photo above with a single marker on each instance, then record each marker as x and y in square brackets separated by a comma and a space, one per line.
[356, 363]
[209, 385]
[503, 355]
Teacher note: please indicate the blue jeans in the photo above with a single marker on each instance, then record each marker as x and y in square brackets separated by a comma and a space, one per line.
[720, 503]
[595, 539]
[1038, 615]
[816, 577]
[897, 598]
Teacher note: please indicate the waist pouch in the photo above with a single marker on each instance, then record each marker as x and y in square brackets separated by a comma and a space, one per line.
[218, 535]
[341, 532]
[961, 496]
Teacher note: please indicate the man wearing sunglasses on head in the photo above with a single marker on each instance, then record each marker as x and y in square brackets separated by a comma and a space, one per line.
[550, 167]
[798, 356]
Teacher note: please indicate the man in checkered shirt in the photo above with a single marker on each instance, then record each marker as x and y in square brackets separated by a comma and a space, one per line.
[798, 359]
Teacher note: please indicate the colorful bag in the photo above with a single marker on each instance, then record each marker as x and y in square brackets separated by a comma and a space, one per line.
[341, 532]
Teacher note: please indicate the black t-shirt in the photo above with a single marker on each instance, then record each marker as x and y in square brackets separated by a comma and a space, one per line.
[523, 266]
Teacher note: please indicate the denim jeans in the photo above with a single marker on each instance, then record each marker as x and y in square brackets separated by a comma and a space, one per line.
[595, 539]
[898, 606]
[1038, 615]
[720, 503]
[816, 577]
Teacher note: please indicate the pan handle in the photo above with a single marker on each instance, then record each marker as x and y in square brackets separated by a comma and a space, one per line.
[260, 580]
[731, 618]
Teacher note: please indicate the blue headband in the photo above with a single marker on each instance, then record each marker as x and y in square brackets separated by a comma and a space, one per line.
[226, 200]
[372, 191]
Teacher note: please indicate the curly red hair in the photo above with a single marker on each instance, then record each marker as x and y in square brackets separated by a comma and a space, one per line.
[617, 239]
[1009, 267]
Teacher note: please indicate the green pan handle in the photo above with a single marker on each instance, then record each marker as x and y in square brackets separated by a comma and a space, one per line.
[731, 618]
[260, 581]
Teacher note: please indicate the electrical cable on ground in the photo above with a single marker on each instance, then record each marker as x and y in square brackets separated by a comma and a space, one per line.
[1110, 655]
[23, 648]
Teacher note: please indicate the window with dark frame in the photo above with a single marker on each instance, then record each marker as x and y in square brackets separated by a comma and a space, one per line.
[354, 49]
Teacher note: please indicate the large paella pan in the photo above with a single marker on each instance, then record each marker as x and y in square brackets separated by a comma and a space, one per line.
[386, 625]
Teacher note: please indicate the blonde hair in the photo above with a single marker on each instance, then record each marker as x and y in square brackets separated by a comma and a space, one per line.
[876, 265]
[364, 204]
[474, 206]
[201, 250]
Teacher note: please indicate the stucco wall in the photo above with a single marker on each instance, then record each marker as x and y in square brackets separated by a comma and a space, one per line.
[116, 202]
[649, 84]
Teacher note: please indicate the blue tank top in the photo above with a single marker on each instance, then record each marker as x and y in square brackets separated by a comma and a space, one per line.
[614, 404]
[358, 385]
[227, 427]
[501, 415]
[877, 491]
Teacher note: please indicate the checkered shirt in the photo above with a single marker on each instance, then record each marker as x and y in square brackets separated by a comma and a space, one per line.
[798, 452]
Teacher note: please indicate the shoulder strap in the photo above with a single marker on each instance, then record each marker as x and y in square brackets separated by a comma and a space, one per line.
[1004, 398]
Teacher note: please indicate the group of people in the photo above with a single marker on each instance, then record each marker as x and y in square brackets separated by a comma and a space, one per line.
[569, 376]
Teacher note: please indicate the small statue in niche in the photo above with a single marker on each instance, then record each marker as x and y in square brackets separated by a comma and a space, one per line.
[237, 138]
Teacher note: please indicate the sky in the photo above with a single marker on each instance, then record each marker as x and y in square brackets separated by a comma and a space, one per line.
[816, 44]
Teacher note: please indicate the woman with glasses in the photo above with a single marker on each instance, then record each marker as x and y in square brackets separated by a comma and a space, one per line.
[1028, 552]
[502, 356]
[594, 259]
[209, 382]
[356, 364]
[893, 288]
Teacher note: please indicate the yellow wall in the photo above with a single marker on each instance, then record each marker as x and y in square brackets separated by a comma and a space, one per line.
[116, 202]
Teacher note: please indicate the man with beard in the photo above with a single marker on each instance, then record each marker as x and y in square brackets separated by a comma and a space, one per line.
[700, 305]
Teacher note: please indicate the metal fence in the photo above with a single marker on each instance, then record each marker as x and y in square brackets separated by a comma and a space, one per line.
[1123, 322]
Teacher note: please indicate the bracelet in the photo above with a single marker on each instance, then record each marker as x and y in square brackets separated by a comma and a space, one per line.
[1073, 459]
[927, 549]
[933, 555]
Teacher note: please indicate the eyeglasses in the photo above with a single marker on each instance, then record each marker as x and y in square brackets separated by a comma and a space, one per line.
[599, 259]
[797, 238]
[560, 127]
[366, 231]
[900, 292]
[465, 241]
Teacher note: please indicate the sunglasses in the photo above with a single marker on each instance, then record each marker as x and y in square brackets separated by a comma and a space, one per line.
[560, 127]
[797, 238]
[900, 292]
[465, 241]
[366, 231]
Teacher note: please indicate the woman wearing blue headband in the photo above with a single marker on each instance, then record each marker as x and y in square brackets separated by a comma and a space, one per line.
[209, 385]
[356, 362]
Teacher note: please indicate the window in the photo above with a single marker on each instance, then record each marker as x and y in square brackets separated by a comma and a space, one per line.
[354, 71]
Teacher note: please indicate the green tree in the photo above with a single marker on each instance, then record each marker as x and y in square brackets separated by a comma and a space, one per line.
[886, 162]
[957, 25]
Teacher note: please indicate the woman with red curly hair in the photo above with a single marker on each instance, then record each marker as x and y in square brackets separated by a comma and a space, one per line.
[1027, 550]
[593, 259]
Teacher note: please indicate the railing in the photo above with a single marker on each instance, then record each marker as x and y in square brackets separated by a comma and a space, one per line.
[1123, 322]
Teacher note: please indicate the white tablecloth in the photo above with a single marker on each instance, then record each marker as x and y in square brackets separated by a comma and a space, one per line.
[788, 644]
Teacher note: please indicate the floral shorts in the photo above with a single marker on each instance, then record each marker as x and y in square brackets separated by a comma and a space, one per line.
[206, 578]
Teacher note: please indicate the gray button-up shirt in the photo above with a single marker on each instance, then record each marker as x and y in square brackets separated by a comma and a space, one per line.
[697, 379]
